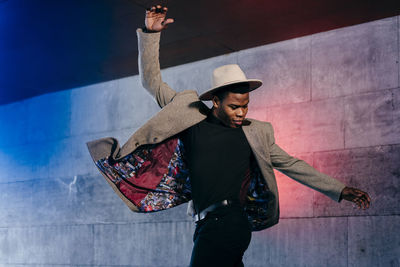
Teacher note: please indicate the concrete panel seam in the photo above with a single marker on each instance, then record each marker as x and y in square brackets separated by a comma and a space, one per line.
[61, 264]
[71, 136]
[294, 103]
[357, 147]
[372, 92]
[350, 148]
[344, 124]
[351, 95]
[93, 259]
[338, 216]
[93, 224]
[50, 178]
[311, 71]
[303, 102]
[313, 195]
[347, 242]
[398, 50]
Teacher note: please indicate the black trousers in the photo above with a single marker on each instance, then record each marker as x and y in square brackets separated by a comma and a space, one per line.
[221, 238]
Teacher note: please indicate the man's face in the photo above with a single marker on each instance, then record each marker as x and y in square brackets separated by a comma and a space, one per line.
[232, 109]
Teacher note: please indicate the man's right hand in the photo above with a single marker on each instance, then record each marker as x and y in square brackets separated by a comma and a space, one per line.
[155, 18]
[360, 198]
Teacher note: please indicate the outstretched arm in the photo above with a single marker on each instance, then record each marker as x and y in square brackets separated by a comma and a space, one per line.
[302, 172]
[148, 45]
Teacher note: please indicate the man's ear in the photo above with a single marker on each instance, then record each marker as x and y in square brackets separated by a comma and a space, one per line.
[215, 101]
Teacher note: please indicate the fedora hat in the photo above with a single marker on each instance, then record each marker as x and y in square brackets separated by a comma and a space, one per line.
[227, 75]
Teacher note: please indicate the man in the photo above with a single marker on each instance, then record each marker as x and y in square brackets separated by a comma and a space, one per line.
[218, 158]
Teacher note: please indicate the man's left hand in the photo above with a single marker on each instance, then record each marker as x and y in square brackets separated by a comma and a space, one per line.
[357, 196]
[155, 18]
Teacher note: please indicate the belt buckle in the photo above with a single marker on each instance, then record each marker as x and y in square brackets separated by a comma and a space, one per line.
[198, 217]
[202, 214]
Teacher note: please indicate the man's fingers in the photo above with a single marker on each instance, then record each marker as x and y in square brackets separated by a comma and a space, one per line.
[160, 9]
[368, 198]
[365, 204]
[356, 200]
[152, 9]
[361, 202]
[366, 201]
[358, 197]
[155, 10]
[167, 21]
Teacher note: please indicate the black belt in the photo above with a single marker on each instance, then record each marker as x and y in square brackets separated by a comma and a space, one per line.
[224, 203]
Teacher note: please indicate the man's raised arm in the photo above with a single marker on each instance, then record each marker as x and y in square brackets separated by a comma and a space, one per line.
[148, 45]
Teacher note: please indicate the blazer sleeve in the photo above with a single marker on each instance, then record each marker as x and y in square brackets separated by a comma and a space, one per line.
[302, 172]
[149, 67]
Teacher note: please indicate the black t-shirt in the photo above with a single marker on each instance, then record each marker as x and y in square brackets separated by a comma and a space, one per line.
[218, 157]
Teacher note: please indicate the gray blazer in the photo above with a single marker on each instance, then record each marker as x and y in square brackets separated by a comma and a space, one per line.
[184, 109]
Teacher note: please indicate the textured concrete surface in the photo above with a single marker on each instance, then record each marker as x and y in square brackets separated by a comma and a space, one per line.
[197, 75]
[14, 121]
[284, 69]
[65, 157]
[3, 245]
[367, 248]
[308, 127]
[76, 200]
[16, 204]
[374, 169]
[131, 106]
[49, 117]
[300, 242]
[333, 99]
[372, 119]
[356, 59]
[69, 244]
[144, 244]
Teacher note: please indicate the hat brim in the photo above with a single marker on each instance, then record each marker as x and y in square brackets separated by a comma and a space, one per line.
[208, 95]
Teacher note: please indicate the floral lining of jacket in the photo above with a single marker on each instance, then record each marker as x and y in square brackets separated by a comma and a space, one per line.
[155, 177]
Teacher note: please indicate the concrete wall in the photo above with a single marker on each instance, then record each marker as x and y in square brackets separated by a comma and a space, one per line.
[334, 100]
